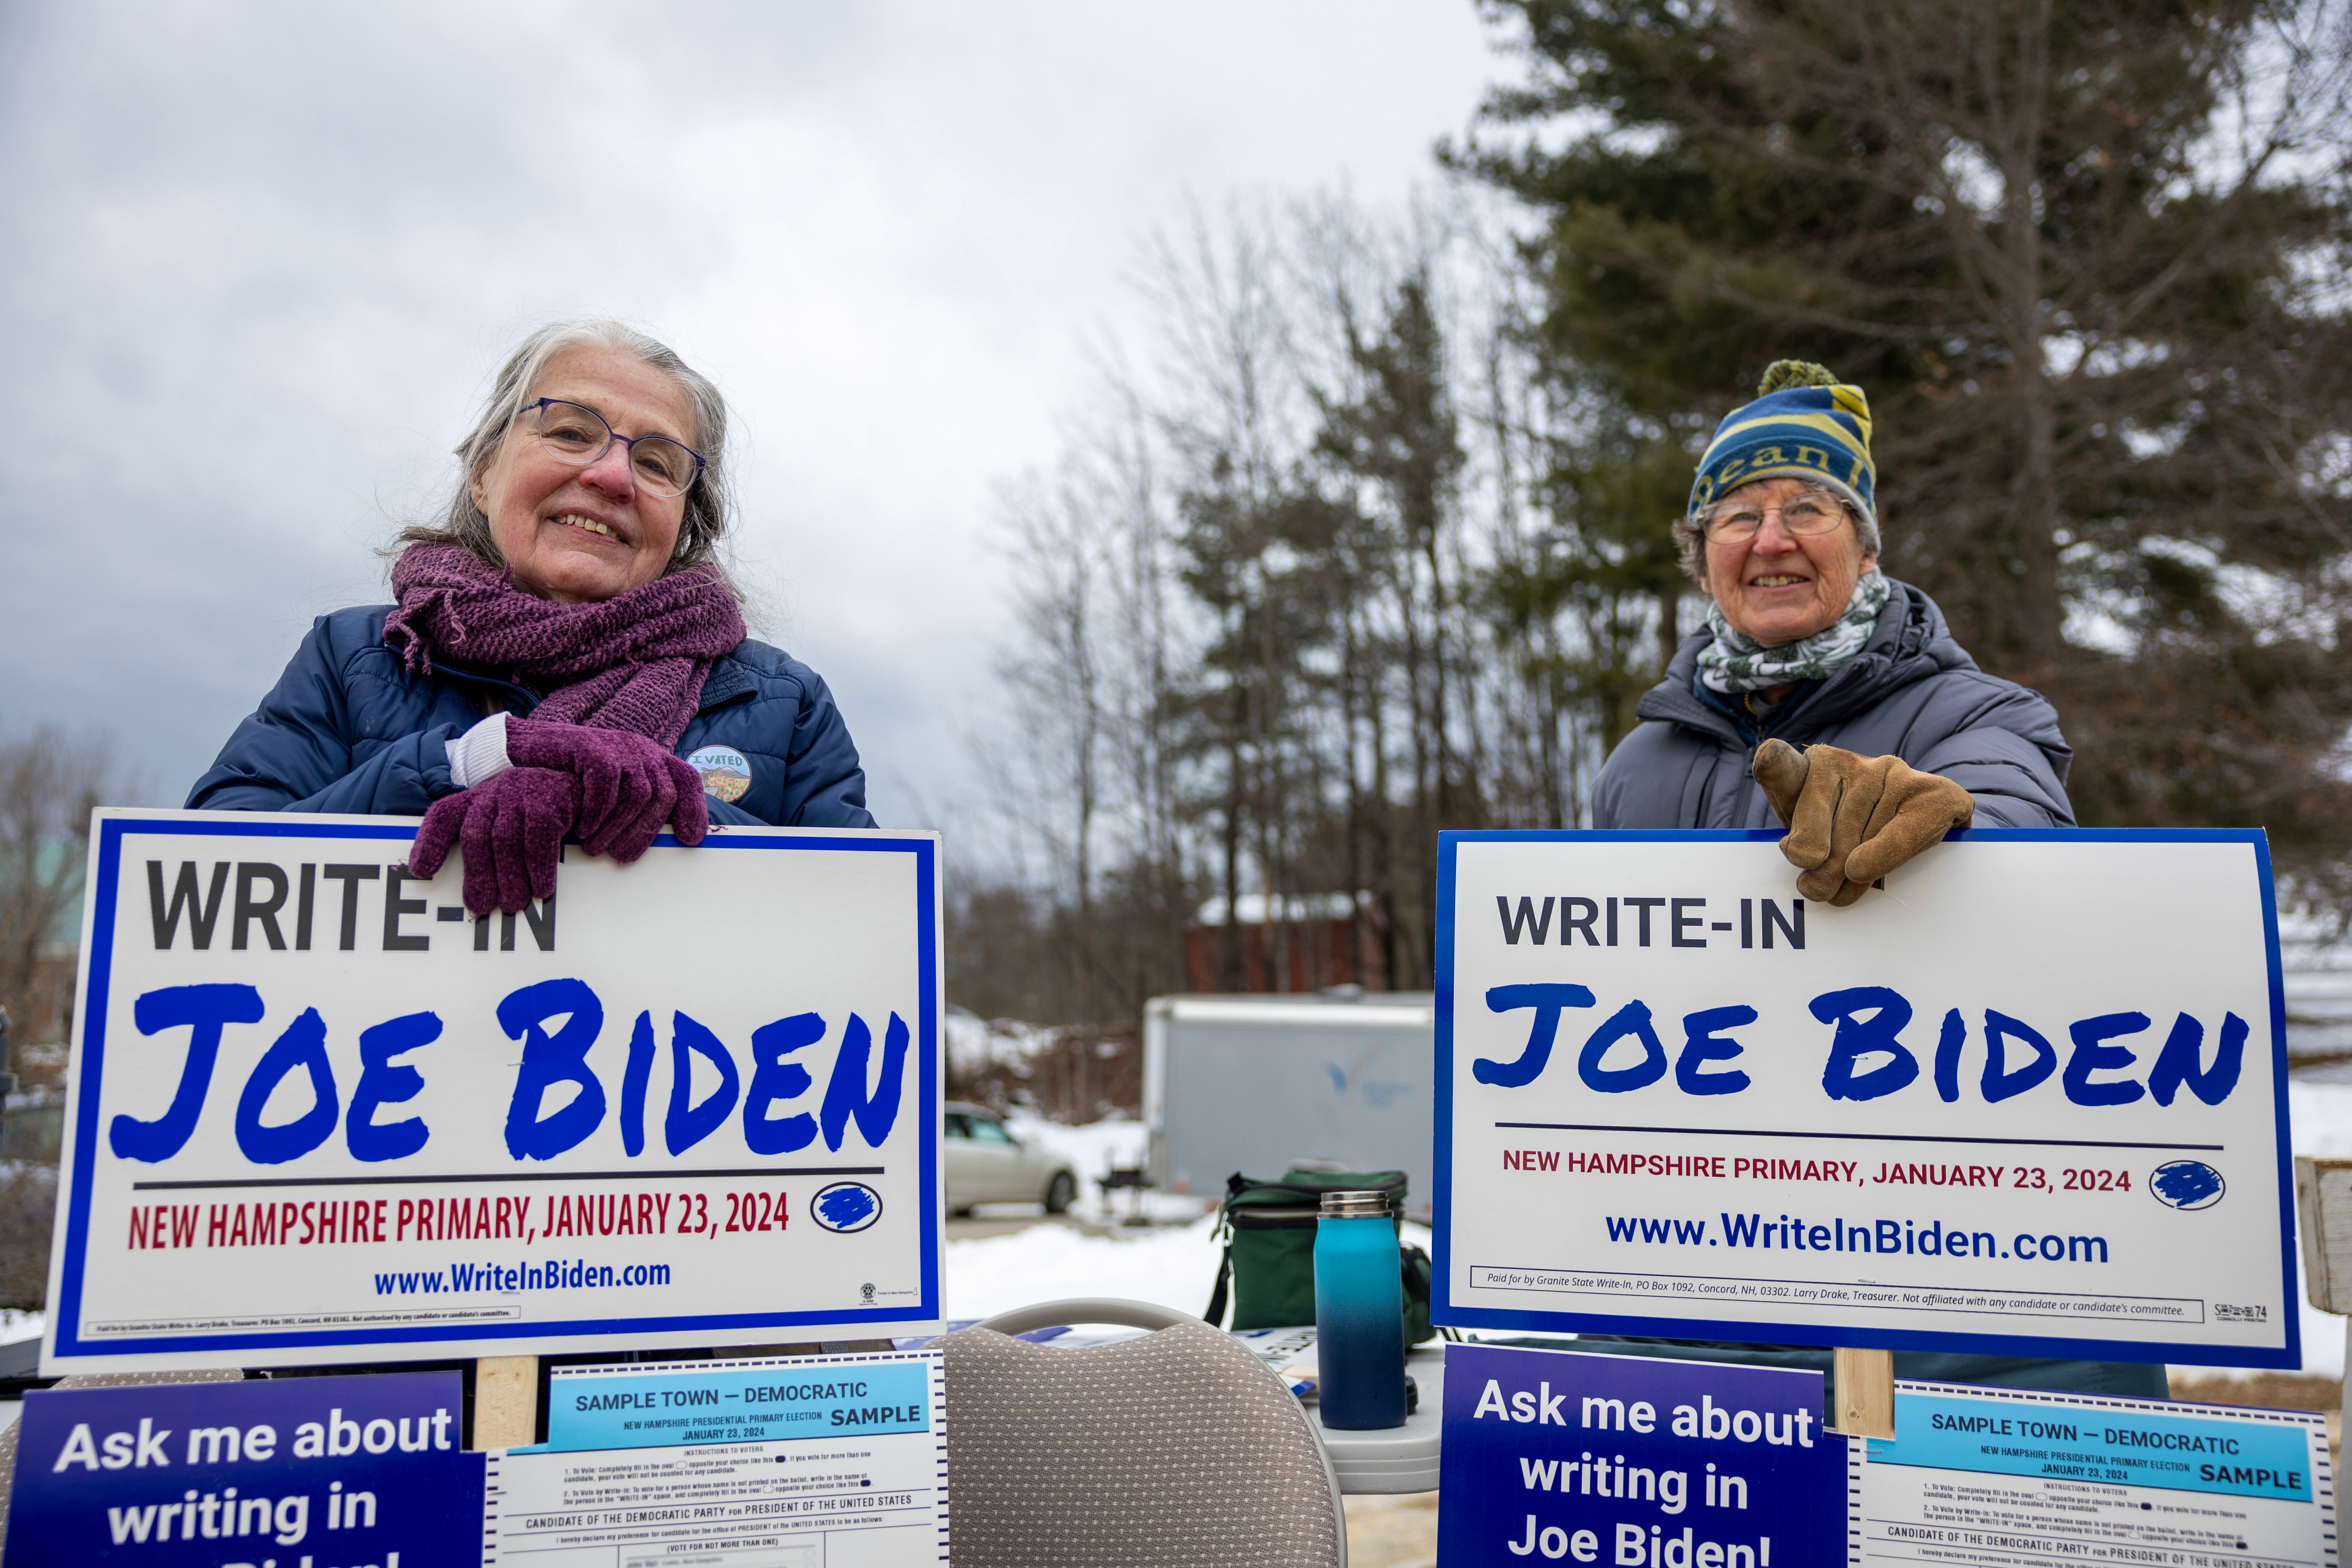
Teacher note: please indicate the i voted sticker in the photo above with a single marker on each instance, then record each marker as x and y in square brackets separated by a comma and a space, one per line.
[726, 772]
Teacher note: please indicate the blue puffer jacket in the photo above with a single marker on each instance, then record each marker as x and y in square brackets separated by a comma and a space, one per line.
[348, 729]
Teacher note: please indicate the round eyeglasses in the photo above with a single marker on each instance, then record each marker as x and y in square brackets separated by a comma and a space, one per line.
[577, 435]
[1806, 515]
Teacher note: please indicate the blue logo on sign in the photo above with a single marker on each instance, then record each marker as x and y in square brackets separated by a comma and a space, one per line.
[846, 1206]
[2185, 1184]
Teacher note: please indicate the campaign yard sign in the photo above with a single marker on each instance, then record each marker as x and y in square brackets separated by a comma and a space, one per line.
[325, 1470]
[1559, 1456]
[320, 1114]
[2027, 1098]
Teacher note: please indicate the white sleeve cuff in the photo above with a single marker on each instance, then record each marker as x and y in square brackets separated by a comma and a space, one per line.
[480, 753]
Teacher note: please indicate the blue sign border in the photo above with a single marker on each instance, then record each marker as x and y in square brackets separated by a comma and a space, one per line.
[66, 1311]
[1444, 1312]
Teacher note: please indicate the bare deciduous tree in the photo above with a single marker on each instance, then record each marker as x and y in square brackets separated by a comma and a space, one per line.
[49, 784]
[1272, 636]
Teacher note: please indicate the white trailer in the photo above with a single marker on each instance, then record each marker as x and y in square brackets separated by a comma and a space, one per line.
[1258, 1084]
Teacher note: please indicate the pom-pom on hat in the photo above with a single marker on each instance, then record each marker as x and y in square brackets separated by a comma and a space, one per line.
[1804, 424]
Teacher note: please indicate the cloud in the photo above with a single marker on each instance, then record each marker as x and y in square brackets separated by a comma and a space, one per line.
[264, 260]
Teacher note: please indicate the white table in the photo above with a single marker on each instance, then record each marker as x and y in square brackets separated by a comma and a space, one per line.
[1401, 1459]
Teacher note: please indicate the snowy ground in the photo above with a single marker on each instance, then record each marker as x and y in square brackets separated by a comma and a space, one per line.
[1104, 1146]
[1169, 1266]
[1173, 1265]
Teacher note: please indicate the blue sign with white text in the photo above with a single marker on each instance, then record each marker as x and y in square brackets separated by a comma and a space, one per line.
[1552, 1455]
[290, 1471]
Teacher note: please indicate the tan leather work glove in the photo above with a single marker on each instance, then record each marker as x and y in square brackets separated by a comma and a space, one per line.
[1852, 819]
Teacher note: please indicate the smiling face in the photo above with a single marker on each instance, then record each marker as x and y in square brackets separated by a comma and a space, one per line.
[1781, 587]
[578, 535]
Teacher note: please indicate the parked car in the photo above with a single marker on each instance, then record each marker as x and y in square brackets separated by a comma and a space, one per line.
[987, 1165]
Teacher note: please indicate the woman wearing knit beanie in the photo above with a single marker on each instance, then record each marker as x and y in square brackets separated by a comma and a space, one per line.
[1810, 645]
[567, 657]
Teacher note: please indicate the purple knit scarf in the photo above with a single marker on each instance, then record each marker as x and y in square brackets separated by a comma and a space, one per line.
[635, 662]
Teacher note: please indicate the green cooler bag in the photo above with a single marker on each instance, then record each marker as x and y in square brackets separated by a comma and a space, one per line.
[1269, 1260]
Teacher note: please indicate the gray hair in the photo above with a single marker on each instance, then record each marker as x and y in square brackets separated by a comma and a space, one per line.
[1690, 533]
[709, 504]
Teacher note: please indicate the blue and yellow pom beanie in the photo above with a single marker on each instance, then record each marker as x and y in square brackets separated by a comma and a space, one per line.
[1804, 424]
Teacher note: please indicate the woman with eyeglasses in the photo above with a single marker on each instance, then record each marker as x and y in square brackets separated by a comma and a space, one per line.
[566, 656]
[1807, 644]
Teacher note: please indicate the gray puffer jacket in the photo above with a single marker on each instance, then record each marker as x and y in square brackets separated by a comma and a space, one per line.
[1912, 691]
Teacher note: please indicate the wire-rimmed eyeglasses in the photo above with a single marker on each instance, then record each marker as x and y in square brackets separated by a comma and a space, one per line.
[1736, 520]
[575, 433]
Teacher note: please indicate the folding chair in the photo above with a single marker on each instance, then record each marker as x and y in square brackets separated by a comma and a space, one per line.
[1178, 1448]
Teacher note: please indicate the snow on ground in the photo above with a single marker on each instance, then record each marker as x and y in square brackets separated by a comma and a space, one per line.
[1173, 1266]
[1169, 1266]
[2319, 1114]
[1091, 1150]
[1100, 1147]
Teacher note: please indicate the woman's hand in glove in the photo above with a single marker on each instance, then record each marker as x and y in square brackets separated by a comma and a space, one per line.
[510, 828]
[629, 786]
[1852, 819]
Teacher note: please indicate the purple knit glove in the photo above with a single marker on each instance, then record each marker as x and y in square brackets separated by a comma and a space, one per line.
[629, 786]
[510, 828]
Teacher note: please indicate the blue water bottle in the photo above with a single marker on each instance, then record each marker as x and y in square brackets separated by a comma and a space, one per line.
[1359, 1313]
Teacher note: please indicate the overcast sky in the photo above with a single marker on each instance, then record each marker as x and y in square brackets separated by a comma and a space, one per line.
[261, 260]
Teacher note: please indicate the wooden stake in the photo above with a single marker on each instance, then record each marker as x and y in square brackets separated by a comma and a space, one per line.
[2323, 1193]
[1865, 1392]
[506, 1401]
